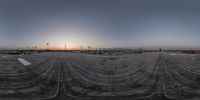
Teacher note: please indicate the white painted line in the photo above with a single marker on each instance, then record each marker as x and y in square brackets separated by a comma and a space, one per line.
[24, 62]
[173, 54]
[4, 56]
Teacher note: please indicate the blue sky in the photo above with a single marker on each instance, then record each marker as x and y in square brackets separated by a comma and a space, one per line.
[100, 23]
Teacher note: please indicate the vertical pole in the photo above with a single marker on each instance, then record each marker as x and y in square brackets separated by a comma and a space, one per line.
[47, 46]
[65, 47]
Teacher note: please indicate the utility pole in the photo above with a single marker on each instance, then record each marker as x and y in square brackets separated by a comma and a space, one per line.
[65, 47]
[81, 48]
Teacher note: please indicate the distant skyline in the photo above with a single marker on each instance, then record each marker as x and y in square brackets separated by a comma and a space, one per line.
[168, 24]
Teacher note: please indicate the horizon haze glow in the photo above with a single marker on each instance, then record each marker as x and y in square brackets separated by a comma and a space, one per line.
[168, 24]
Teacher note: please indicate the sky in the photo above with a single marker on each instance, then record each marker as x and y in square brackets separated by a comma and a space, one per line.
[168, 24]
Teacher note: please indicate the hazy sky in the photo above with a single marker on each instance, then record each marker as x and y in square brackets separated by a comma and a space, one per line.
[100, 23]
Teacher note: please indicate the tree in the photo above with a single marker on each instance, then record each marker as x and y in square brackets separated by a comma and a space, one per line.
[47, 46]
[160, 49]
